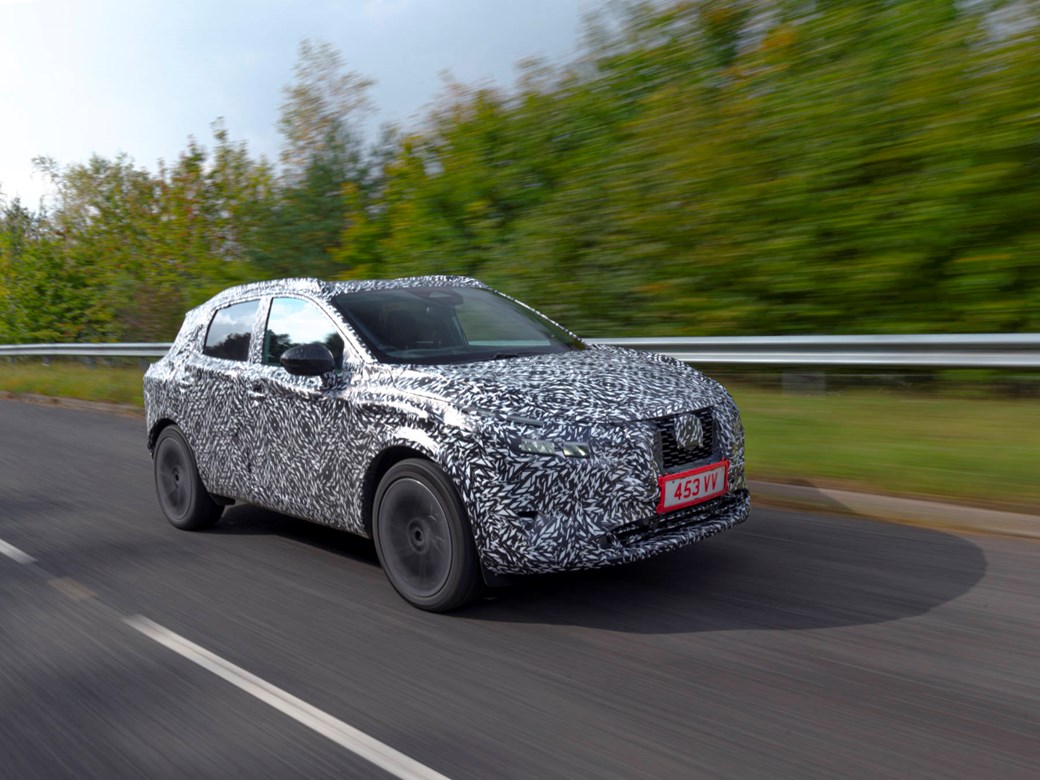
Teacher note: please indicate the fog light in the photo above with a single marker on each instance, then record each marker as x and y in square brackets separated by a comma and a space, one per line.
[537, 446]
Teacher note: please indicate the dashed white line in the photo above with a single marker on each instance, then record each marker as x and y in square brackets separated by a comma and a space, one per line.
[343, 734]
[14, 553]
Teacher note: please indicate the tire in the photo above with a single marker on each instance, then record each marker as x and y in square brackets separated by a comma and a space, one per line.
[423, 538]
[182, 496]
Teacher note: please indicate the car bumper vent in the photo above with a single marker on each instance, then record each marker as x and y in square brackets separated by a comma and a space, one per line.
[661, 525]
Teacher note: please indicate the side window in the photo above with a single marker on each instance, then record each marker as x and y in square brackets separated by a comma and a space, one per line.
[293, 322]
[230, 331]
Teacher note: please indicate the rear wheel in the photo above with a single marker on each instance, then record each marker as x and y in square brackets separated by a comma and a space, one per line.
[181, 494]
[423, 539]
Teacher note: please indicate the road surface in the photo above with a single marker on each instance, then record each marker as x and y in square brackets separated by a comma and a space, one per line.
[795, 645]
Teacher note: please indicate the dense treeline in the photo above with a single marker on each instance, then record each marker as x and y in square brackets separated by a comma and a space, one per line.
[701, 167]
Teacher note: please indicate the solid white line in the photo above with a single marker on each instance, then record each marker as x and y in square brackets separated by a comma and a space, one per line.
[14, 553]
[383, 756]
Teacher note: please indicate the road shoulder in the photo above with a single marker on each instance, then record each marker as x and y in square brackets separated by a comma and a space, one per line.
[930, 514]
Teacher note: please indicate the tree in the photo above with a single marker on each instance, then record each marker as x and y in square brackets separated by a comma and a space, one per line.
[322, 107]
[323, 166]
[718, 166]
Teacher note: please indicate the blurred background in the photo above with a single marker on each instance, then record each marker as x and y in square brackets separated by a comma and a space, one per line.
[691, 168]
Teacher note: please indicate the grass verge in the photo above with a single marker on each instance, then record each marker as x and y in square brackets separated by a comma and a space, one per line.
[974, 451]
[73, 380]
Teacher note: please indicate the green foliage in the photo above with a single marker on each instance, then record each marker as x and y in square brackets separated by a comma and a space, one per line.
[40, 298]
[720, 166]
[324, 168]
[123, 253]
[713, 168]
[320, 106]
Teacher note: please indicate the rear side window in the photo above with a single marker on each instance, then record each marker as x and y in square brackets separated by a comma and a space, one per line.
[230, 331]
[293, 322]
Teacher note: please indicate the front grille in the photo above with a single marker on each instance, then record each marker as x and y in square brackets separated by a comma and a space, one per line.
[670, 456]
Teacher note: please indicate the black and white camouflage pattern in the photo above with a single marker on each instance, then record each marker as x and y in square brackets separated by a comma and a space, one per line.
[308, 448]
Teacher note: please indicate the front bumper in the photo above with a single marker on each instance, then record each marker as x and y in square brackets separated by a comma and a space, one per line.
[534, 513]
[542, 544]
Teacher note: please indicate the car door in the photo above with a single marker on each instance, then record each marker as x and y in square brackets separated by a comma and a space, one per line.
[303, 426]
[214, 399]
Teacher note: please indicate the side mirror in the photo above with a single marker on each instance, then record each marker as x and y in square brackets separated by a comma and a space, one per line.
[308, 360]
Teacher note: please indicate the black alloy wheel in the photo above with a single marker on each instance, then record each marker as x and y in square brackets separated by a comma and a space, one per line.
[181, 494]
[423, 538]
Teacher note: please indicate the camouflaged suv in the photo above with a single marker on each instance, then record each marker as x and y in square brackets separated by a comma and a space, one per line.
[466, 434]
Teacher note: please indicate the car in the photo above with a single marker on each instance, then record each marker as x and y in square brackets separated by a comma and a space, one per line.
[469, 436]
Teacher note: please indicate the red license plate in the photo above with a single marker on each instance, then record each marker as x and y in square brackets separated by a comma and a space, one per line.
[692, 487]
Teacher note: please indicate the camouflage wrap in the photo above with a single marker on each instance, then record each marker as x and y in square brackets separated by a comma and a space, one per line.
[309, 446]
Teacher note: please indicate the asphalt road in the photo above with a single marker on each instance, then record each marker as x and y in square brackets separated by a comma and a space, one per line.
[794, 645]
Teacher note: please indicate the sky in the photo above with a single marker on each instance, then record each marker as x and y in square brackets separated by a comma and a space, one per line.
[79, 77]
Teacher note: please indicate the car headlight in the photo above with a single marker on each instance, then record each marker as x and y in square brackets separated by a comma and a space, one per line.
[536, 446]
[530, 444]
[569, 449]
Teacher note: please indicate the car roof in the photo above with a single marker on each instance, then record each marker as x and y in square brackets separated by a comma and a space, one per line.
[312, 286]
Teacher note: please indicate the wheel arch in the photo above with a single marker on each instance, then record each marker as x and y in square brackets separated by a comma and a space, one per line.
[156, 429]
[387, 458]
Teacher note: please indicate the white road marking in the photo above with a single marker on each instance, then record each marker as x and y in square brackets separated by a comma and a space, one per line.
[14, 553]
[369, 748]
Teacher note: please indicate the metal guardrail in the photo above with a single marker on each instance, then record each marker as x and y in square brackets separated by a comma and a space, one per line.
[982, 350]
[977, 350]
[138, 350]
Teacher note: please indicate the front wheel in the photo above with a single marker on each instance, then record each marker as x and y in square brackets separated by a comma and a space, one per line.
[423, 539]
[181, 494]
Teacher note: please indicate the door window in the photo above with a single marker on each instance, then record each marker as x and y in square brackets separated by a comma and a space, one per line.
[293, 322]
[230, 331]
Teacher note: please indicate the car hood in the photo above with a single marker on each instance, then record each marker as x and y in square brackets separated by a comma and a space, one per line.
[600, 384]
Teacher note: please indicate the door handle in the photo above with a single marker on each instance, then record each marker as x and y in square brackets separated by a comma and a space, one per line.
[256, 392]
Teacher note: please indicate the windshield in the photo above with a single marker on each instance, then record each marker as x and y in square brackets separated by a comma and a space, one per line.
[449, 325]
